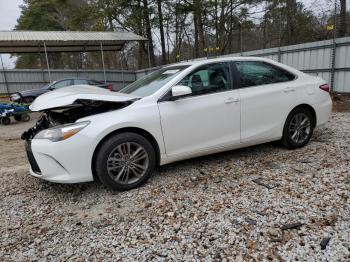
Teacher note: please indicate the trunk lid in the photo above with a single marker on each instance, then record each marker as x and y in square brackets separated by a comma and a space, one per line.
[66, 96]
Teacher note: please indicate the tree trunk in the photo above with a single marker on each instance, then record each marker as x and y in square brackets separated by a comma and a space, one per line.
[176, 46]
[149, 33]
[168, 39]
[196, 41]
[140, 32]
[216, 23]
[198, 14]
[240, 35]
[161, 29]
[230, 35]
[222, 33]
[291, 11]
[342, 27]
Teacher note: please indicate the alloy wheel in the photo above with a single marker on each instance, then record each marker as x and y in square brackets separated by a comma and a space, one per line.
[300, 128]
[127, 163]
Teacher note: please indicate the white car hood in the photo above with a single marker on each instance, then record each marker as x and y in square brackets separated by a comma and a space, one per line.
[68, 95]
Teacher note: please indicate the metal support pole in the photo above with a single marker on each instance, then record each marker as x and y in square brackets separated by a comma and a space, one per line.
[149, 55]
[334, 47]
[5, 78]
[121, 66]
[81, 58]
[77, 64]
[41, 65]
[241, 38]
[47, 62]
[279, 54]
[103, 63]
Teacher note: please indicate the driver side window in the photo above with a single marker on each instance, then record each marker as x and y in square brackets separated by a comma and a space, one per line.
[62, 83]
[210, 78]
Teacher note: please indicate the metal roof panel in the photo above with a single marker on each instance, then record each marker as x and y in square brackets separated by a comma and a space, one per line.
[68, 41]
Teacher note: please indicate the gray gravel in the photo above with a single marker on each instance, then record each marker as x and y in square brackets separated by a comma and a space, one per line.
[258, 203]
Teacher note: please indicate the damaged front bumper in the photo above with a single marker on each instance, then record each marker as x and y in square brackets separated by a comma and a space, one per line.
[34, 167]
[68, 160]
[61, 162]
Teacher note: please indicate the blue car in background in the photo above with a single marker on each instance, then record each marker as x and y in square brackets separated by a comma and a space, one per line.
[18, 112]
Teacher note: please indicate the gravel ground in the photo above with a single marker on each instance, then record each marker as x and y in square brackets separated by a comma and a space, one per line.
[258, 203]
[15, 129]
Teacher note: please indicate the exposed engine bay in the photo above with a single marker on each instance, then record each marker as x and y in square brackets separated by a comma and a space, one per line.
[69, 114]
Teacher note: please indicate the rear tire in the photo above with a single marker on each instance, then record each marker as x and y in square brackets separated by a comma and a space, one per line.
[125, 161]
[5, 121]
[298, 128]
[25, 117]
[17, 117]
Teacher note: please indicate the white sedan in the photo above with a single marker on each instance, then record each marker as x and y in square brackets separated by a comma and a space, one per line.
[181, 111]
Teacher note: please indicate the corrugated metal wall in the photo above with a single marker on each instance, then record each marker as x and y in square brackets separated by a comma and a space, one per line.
[315, 58]
[19, 80]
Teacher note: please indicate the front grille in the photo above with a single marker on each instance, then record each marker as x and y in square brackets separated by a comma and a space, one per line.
[32, 161]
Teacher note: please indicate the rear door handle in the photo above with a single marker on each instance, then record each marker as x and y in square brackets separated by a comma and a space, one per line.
[231, 100]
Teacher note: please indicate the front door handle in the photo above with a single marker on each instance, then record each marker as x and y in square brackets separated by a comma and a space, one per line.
[231, 100]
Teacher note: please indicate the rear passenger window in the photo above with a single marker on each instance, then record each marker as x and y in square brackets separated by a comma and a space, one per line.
[94, 83]
[80, 82]
[254, 73]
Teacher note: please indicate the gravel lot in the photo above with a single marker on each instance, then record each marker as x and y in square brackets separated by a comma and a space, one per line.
[258, 203]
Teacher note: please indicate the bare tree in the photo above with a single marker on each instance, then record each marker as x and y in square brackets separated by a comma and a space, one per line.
[342, 27]
[161, 29]
[149, 33]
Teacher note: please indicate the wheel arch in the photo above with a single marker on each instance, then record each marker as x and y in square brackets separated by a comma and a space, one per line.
[135, 130]
[310, 109]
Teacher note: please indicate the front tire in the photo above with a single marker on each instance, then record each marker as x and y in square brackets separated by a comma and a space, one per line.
[125, 161]
[298, 128]
[5, 121]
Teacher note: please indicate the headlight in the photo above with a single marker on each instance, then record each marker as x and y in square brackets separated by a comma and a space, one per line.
[15, 97]
[63, 132]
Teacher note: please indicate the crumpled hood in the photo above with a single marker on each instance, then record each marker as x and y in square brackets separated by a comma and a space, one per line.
[68, 95]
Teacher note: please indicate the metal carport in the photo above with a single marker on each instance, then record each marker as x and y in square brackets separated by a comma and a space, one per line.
[64, 41]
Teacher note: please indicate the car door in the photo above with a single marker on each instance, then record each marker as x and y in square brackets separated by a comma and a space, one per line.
[267, 95]
[208, 118]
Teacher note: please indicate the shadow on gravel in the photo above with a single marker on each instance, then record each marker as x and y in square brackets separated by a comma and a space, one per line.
[71, 189]
[268, 151]
[235, 154]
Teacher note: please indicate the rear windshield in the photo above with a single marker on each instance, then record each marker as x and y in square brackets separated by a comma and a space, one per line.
[151, 83]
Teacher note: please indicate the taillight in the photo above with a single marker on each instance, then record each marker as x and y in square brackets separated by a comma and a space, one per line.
[110, 87]
[325, 87]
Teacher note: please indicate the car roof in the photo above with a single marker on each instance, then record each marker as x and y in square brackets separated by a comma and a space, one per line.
[204, 61]
[73, 78]
[63, 79]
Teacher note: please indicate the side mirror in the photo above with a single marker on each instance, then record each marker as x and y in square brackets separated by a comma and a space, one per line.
[180, 91]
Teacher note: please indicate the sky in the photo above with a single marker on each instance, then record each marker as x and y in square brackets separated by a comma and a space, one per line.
[10, 11]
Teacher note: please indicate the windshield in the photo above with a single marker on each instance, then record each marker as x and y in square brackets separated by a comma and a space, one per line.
[48, 85]
[150, 84]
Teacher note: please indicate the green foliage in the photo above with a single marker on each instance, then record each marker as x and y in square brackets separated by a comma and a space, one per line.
[189, 26]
